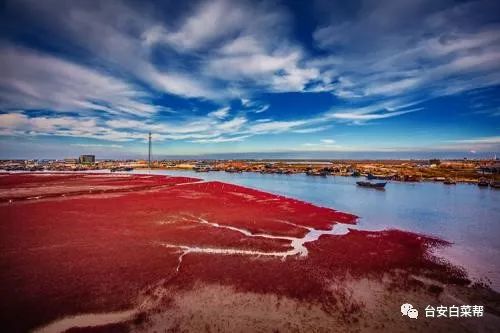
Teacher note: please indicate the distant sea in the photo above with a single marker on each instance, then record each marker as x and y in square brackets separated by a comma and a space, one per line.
[314, 155]
[290, 155]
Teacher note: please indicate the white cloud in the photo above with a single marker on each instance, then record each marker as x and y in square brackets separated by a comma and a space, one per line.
[246, 54]
[96, 145]
[32, 80]
[210, 21]
[479, 144]
[323, 144]
[274, 70]
[262, 108]
[312, 129]
[245, 101]
[231, 125]
[243, 45]
[221, 139]
[392, 88]
[220, 113]
[372, 116]
[15, 121]
[433, 48]
[276, 126]
[192, 128]
[234, 51]
[488, 140]
[254, 106]
[115, 33]
[492, 112]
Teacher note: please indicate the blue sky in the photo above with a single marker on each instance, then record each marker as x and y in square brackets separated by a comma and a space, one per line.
[322, 78]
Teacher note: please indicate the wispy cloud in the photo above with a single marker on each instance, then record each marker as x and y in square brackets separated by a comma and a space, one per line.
[96, 145]
[312, 129]
[488, 140]
[322, 145]
[374, 111]
[126, 36]
[220, 139]
[492, 112]
[33, 80]
[372, 116]
[477, 144]
[220, 113]
[16, 124]
[431, 47]
[277, 126]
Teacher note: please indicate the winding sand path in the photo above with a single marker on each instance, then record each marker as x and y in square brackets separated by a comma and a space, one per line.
[86, 320]
[298, 248]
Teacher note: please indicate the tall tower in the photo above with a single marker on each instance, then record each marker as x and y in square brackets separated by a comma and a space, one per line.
[149, 151]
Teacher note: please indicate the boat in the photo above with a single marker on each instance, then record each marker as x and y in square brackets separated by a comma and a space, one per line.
[322, 173]
[495, 184]
[372, 185]
[483, 182]
[201, 169]
[449, 181]
[118, 169]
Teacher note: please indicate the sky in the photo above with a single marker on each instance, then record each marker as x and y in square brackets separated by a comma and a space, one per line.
[221, 78]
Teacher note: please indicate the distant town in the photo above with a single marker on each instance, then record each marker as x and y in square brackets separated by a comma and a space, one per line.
[481, 172]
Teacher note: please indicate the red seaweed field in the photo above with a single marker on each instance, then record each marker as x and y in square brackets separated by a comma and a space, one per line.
[74, 244]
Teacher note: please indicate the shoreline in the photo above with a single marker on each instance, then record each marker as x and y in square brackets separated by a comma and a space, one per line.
[106, 170]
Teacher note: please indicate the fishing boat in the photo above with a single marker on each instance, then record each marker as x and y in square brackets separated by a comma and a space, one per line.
[201, 169]
[322, 173]
[483, 182]
[449, 181]
[122, 168]
[495, 184]
[372, 185]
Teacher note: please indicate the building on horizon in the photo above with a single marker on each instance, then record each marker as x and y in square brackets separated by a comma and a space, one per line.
[86, 159]
[70, 161]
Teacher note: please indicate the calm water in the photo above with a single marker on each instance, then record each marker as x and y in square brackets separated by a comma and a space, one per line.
[467, 215]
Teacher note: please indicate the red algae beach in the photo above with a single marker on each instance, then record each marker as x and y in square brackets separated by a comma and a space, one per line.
[121, 253]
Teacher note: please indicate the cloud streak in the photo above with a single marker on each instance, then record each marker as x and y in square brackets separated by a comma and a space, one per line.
[32, 80]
